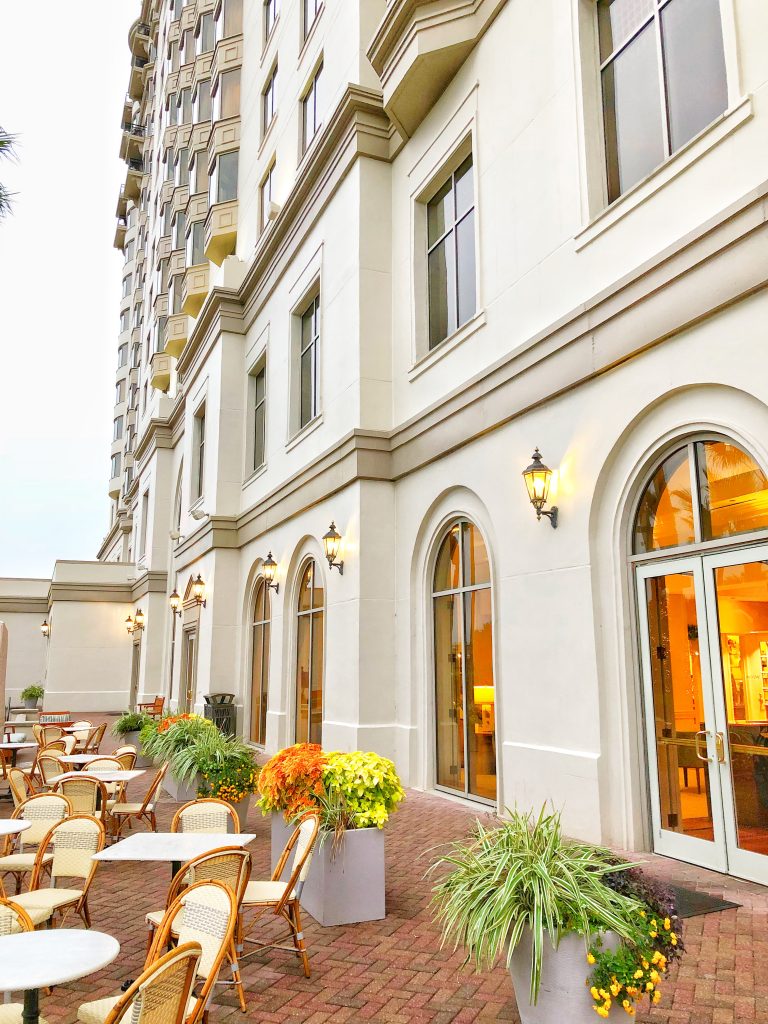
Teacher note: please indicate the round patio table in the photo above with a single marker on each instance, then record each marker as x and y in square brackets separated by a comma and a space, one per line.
[12, 826]
[35, 960]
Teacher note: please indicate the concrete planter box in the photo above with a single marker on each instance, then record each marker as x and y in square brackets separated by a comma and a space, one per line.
[180, 791]
[132, 738]
[563, 996]
[242, 807]
[348, 888]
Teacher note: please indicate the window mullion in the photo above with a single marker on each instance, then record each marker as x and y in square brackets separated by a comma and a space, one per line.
[662, 84]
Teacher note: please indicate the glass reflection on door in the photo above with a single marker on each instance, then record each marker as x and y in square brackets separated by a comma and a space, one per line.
[742, 613]
[678, 706]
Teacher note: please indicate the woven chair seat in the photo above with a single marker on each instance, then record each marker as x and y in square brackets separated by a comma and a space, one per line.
[265, 892]
[21, 861]
[37, 915]
[121, 808]
[48, 898]
[11, 1013]
[96, 1011]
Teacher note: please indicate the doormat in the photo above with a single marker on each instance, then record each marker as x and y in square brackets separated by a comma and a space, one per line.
[692, 903]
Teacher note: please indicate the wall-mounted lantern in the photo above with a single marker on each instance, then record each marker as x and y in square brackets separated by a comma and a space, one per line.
[198, 590]
[129, 624]
[45, 628]
[135, 623]
[538, 478]
[174, 601]
[269, 568]
[331, 543]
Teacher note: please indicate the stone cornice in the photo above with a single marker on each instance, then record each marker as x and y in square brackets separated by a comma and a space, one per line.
[157, 435]
[123, 524]
[90, 591]
[151, 581]
[24, 605]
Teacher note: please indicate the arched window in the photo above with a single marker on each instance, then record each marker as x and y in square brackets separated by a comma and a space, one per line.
[702, 491]
[260, 662]
[309, 656]
[465, 696]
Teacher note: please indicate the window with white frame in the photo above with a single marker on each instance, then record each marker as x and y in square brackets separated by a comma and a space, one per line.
[144, 524]
[271, 12]
[224, 177]
[196, 244]
[179, 229]
[226, 101]
[115, 465]
[258, 388]
[198, 174]
[198, 461]
[184, 104]
[266, 195]
[268, 102]
[229, 18]
[310, 110]
[202, 101]
[451, 276]
[311, 11]
[309, 356]
[663, 78]
[117, 428]
[182, 169]
[122, 355]
[205, 35]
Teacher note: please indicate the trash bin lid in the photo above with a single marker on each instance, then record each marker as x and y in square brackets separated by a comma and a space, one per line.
[218, 698]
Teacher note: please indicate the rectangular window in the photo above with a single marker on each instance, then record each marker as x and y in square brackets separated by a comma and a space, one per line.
[174, 297]
[179, 229]
[119, 392]
[271, 12]
[126, 285]
[196, 244]
[451, 254]
[167, 211]
[173, 55]
[171, 108]
[199, 455]
[268, 102]
[662, 68]
[182, 169]
[228, 95]
[117, 428]
[188, 46]
[128, 252]
[144, 521]
[160, 333]
[122, 355]
[163, 275]
[310, 110]
[203, 100]
[168, 166]
[137, 315]
[125, 320]
[115, 466]
[308, 363]
[311, 10]
[185, 106]
[266, 196]
[259, 418]
[224, 177]
[229, 18]
[205, 34]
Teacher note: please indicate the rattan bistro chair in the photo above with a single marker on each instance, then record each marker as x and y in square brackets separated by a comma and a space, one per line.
[74, 842]
[94, 742]
[206, 914]
[20, 785]
[19, 855]
[83, 733]
[87, 795]
[283, 898]
[48, 767]
[45, 734]
[124, 813]
[207, 814]
[13, 920]
[163, 991]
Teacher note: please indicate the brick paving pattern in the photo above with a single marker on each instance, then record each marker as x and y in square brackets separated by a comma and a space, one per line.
[393, 971]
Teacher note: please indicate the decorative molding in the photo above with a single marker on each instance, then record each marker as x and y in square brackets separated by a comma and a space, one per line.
[120, 593]
[24, 605]
[151, 581]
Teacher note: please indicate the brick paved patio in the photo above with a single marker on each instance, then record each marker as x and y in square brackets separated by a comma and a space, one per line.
[394, 971]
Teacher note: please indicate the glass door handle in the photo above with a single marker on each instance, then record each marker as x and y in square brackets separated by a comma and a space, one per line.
[696, 740]
[720, 747]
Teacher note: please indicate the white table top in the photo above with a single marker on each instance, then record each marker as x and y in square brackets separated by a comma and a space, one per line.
[10, 826]
[81, 758]
[77, 728]
[118, 775]
[22, 745]
[53, 956]
[168, 846]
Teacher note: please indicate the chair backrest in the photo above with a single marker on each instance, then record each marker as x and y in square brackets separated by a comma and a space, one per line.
[157, 708]
[83, 730]
[230, 865]
[85, 793]
[206, 913]
[127, 748]
[94, 742]
[69, 741]
[154, 786]
[207, 814]
[127, 759]
[46, 734]
[49, 767]
[161, 992]
[74, 841]
[44, 810]
[301, 842]
[13, 918]
[54, 746]
[20, 785]
[104, 764]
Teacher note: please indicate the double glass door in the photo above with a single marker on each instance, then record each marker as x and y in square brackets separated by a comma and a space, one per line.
[704, 648]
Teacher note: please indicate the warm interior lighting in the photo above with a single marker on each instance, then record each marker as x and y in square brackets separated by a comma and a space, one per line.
[331, 544]
[269, 568]
[130, 625]
[45, 628]
[175, 602]
[484, 694]
[538, 478]
[138, 620]
[198, 590]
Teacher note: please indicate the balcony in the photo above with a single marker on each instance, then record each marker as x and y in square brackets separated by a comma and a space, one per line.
[114, 487]
[160, 367]
[176, 334]
[221, 231]
[132, 140]
[122, 204]
[132, 187]
[136, 79]
[227, 55]
[418, 48]
[180, 198]
[195, 289]
[139, 38]
[225, 135]
[120, 230]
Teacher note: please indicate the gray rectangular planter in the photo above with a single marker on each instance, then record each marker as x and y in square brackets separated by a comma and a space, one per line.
[342, 890]
[180, 791]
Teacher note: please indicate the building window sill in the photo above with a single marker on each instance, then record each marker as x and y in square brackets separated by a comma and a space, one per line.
[268, 40]
[674, 165]
[267, 135]
[255, 475]
[447, 346]
[310, 428]
[308, 37]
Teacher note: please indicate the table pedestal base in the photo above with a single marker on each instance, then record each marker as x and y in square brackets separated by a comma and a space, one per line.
[31, 1012]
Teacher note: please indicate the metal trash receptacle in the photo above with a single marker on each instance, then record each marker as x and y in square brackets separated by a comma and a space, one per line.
[220, 709]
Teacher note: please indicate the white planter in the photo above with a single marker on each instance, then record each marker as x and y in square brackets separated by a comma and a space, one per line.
[182, 792]
[242, 807]
[563, 995]
[132, 738]
[342, 890]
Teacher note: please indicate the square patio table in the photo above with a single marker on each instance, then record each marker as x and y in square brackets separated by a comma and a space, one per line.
[176, 847]
[81, 758]
[118, 775]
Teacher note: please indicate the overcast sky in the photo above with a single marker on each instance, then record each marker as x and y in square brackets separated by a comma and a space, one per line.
[59, 275]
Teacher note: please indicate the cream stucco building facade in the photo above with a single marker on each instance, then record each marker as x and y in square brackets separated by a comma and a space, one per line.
[374, 255]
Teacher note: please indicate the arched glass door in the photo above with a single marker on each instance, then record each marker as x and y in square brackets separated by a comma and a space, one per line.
[309, 656]
[704, 646]
[260, 629]
[465, 694]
